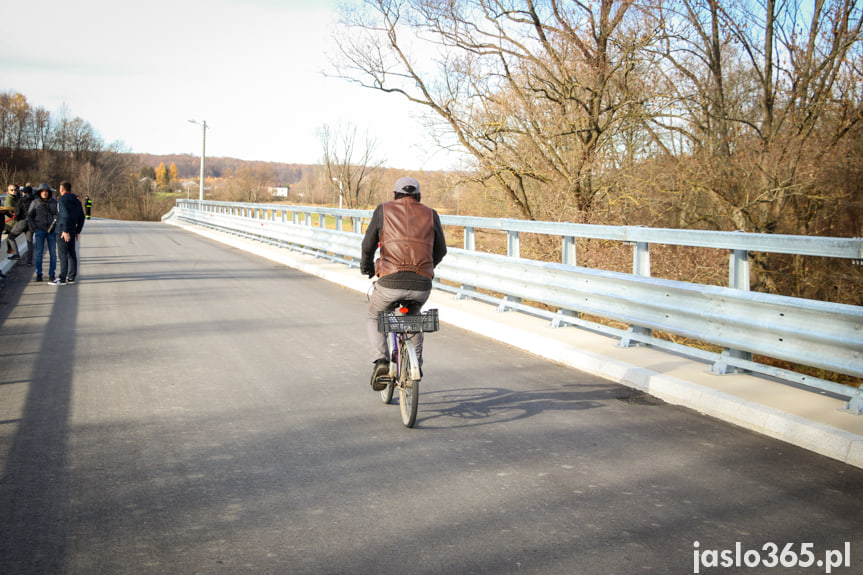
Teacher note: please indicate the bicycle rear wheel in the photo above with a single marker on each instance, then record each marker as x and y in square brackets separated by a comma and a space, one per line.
[409, 389]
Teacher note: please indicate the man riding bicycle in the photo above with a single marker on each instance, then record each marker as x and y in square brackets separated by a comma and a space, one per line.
[412, 244]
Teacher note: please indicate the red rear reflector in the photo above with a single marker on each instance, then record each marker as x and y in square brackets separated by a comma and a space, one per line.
[403, 309]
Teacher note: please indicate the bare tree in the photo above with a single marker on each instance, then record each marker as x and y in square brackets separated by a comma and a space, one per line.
[762, 97]
[251, 183]
[534, 91]
[765, 92]
[16, 123]
[350, 164]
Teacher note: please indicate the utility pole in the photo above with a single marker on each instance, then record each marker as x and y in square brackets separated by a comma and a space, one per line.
[203, 125]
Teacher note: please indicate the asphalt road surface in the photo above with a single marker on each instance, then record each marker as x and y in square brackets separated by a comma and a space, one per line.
[191, 408]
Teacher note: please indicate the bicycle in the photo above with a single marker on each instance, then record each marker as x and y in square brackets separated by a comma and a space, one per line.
[405, 373]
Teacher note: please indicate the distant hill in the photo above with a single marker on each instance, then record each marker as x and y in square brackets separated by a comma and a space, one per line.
[189, 166]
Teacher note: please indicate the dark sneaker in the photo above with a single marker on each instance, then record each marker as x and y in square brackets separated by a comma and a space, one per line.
[39, 278]
[51, 278]
[381, 369]
[70, 281]
[14, 257]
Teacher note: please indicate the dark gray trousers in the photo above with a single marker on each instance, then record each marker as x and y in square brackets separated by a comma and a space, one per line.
[68, 257]
[12, 239]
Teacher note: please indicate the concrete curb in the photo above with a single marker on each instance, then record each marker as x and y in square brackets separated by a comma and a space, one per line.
[512, 329]
[6, 264]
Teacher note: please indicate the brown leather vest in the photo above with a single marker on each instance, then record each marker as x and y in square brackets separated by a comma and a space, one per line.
[406, 239]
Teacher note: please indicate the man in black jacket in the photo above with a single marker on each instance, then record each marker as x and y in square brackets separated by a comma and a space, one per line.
[21, 226]
[70, 222]
[412, 244]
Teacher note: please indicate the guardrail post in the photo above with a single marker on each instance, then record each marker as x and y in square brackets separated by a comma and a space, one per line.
[469, 239]
[513, 250]
[568, 255]
[738, 278]
[738, 270]
[725, 364]
[640, 267]
[561, 315]
[855, 405]
[322, 221]
[358, 225]
[469, 245]
[641, 259]
[338, 223]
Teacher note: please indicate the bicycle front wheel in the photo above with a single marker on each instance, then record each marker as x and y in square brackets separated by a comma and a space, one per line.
[409, 389]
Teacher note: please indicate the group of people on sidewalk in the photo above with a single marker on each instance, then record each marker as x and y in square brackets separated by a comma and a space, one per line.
[43, 220]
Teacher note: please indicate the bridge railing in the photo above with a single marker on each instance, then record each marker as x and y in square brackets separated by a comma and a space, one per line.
[819, 334]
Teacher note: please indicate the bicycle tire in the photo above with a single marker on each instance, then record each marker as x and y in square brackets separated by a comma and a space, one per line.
[387, 394]
[409, 389]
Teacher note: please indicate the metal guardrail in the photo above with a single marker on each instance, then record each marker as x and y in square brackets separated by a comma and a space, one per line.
[806, 332]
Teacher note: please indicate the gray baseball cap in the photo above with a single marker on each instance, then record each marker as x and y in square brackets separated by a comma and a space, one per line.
[407, 186]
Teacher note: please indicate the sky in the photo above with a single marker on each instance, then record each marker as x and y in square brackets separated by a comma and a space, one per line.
[252, 69]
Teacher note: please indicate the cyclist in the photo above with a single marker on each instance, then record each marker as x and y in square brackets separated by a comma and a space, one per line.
[412, 244]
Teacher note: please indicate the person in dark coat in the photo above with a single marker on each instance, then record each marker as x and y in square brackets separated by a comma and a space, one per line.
[70, 222]
[41, 217]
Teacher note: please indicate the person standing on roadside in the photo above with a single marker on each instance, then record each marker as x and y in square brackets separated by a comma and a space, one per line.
[70, 222]
[21, 226]
[10, 203]
[42, 217]
[88, 205]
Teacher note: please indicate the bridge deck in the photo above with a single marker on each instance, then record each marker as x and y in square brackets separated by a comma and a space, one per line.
[188, 407]
[796, 414]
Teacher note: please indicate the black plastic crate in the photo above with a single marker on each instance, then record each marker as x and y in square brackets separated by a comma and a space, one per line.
[389, 321]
